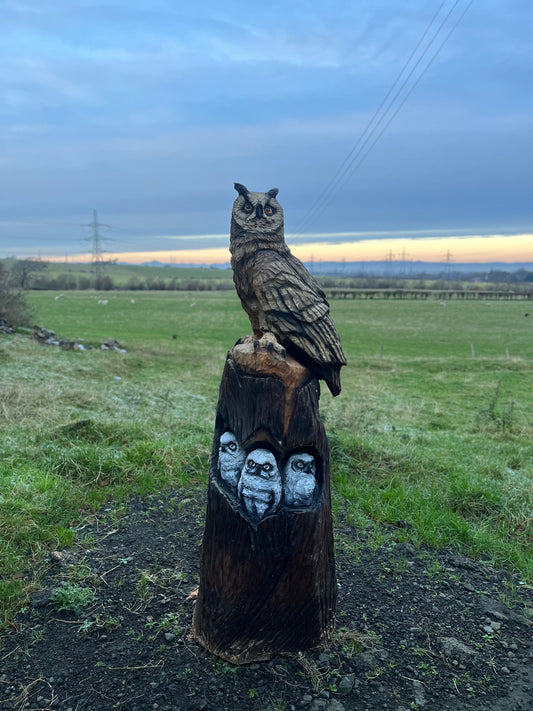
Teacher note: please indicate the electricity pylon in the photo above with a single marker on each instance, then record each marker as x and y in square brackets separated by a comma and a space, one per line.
[97, 261]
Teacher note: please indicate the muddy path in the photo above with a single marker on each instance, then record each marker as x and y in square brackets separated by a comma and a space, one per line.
[416, 629]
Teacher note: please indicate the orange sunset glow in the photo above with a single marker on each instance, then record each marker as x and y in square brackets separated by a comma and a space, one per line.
[470, 248]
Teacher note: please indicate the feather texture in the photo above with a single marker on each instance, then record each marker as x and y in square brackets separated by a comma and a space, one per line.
[276, 290]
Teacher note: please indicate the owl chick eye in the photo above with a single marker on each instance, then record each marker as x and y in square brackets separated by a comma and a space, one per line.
[232, 446]
[269, 210]
[248, 207]
[299, 464]
[251, 464]
[267, 467]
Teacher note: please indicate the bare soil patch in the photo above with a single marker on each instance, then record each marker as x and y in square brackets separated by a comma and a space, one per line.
[415, 629]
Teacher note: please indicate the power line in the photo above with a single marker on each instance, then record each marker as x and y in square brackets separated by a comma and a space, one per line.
[348, 171]
[412, 88]
[340, 170]
[349, 165]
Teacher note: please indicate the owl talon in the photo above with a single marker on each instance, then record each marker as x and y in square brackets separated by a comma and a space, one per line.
[269, 342]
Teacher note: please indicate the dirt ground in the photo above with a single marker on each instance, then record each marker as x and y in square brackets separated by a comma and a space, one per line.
[416, 629]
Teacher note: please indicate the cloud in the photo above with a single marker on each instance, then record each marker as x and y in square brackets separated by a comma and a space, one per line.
[149, 112]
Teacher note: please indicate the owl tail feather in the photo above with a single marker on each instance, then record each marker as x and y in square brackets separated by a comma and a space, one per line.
[332, 377]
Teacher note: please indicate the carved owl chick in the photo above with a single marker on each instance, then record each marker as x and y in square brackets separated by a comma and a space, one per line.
[276, 290]
[300, 479]
[260, 484]
[231, 458]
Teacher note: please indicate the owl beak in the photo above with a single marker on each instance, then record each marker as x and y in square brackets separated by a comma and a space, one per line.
[257, 471]
[259, 211]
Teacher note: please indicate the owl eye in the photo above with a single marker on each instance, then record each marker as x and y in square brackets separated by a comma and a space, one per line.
[267, 467]
[248, 207]
[269, 210]
[299, 464]
[232, 446]
[251, 464]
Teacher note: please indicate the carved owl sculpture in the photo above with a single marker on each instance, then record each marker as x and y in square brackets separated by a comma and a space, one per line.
[260, 484]
[300, 479]
[231, 458]
[276, 290]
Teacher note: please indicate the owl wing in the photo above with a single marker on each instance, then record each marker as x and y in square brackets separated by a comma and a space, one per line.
[297, 308]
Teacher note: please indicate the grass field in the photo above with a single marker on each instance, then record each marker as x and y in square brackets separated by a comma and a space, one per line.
[132, 276]
[424, 436]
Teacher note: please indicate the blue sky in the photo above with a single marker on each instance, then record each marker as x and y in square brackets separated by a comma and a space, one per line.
[149, 111]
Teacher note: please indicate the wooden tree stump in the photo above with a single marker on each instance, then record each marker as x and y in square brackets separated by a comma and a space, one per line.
[267, 571]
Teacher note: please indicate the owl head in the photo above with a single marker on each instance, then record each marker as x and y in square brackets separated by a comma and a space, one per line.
[301, 463]
[257, 212]
[300, 480]
[231, 458]
[261, 463]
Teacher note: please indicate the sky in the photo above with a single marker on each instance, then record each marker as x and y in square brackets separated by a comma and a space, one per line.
[148, 112]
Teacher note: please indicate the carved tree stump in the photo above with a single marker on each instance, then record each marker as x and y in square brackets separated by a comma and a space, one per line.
[267, 571]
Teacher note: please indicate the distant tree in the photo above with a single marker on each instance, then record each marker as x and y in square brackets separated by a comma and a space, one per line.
[157, 284]
[13, 307]
[522, 275]
[224, 286]
[328, 282]
[104, 283]
[496, 276]
[63, 282]
[135, 284]
[193, 285]
[22, 270]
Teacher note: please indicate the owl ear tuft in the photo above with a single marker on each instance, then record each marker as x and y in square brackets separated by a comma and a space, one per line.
[241, 189]
[273, 192]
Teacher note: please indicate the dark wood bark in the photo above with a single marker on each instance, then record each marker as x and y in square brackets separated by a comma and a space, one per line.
[267, 584]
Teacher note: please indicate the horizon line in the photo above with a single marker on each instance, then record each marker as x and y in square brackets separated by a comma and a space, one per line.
[482, 249]
[172, 263]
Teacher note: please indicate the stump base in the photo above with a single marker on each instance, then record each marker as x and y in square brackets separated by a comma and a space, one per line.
[267, 571]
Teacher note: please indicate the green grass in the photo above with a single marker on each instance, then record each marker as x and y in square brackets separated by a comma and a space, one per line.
[424, 437]
[72, 598]
[133, 276]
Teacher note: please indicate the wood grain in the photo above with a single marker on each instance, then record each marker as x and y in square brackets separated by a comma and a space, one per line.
[269, 588]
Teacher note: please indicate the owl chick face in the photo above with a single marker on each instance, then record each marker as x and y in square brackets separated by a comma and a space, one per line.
[260, 484]
[302, 463]
[300, 480]
[231, 458]
[257, 212]
[261, 463]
